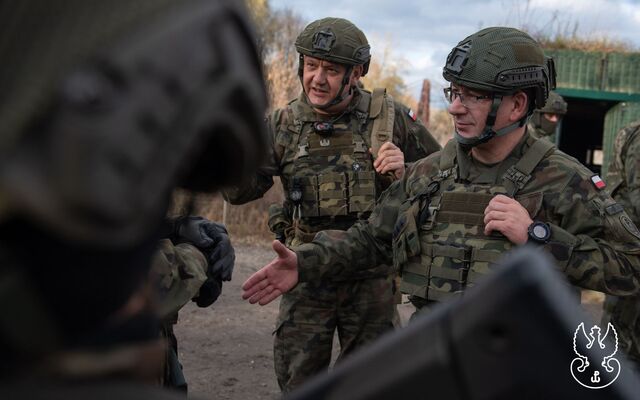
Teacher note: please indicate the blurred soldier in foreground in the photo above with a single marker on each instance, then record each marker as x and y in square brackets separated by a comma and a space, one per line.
[493, 187]
[105, 109]
[545, 120]
[623, 179]
[335, 148]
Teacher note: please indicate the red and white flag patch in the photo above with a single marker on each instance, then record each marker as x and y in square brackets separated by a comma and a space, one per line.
[598, 182]
[412, 115]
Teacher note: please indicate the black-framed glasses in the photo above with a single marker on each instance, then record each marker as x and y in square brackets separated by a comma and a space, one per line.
[467, 100]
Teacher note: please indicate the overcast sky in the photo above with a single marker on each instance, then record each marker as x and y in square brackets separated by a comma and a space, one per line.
[422, 32]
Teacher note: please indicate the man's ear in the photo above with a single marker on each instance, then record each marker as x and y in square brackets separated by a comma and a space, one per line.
[520, 106]
[356, 73]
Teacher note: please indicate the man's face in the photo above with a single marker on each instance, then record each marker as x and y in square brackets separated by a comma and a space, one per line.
[321, 80]
[552, 117]
[469, 109]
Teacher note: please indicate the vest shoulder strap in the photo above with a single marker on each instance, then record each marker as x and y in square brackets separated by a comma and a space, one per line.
[519, 174]
[448, 156]
[382, 111]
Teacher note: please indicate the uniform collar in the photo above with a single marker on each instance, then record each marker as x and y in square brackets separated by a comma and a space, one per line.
[472, 170]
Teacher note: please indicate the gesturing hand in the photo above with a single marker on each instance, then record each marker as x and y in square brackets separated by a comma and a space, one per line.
[275, 278]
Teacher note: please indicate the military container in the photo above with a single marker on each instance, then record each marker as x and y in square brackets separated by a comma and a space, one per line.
[603, 94]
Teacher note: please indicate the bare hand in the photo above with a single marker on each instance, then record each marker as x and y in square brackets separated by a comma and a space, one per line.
[275, 278]
[390, 159]
[507, 216]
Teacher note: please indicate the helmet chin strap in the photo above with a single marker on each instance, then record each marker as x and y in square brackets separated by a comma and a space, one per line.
[488, 132]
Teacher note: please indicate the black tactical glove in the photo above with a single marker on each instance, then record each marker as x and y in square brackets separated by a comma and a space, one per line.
[213, 240]
[222, 257]
[209, 292]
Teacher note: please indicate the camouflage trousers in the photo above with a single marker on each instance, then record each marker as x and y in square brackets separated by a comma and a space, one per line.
[361, 311]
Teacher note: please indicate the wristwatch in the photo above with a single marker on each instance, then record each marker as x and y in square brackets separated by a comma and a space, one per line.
[539, 232]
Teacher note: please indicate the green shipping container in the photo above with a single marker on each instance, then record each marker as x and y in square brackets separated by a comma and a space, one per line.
[603, 95]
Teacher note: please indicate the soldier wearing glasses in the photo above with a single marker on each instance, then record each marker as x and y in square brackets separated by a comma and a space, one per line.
[493, 187]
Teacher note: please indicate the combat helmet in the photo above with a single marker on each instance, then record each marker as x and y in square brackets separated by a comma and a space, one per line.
[555, 105]
[337, 40]
[501, 61]
[105, 108]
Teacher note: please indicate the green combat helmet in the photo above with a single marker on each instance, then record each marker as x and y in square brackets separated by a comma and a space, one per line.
[500, 61]
[337, 40]
[105, 108]
[555, 105]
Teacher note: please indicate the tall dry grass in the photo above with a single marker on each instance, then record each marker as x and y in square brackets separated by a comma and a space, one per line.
[246, 223]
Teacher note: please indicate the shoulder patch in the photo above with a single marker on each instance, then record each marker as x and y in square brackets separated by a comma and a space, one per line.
[412, 115]
[629, 225]
[598, 182]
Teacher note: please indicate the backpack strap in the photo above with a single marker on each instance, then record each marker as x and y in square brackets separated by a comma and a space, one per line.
[382, 111]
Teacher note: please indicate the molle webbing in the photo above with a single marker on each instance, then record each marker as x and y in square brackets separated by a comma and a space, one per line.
[335, 194]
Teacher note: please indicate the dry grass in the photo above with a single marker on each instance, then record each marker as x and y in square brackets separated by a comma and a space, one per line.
[246, 223]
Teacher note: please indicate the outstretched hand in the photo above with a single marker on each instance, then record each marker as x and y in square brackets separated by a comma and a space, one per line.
[275, 278]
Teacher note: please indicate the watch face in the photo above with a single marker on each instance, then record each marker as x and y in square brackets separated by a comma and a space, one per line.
[540, 231]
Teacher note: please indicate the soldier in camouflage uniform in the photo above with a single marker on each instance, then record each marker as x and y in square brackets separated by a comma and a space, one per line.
[623, 180]
[493, 187]
[545, 120]
[322, 147]
[193, 260]
[105, 109]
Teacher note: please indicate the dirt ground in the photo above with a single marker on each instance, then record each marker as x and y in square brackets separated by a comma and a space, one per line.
[226, 349]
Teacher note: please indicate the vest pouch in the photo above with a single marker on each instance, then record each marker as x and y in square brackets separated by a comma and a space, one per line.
[415, 281]
[449, 268]
[486, 253]
[332, 194]
[309, 186]
[362, 191]
[406, 253]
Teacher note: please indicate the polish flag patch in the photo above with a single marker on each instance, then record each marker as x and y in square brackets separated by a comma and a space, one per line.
[598, 182]
[412, 115]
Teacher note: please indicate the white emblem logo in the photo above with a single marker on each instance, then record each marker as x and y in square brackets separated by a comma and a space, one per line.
[602, 370]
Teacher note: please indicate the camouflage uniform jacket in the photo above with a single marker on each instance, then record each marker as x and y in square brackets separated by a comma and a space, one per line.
[334, 173]
[623, 180]
[180, 271]
[623, 177]
[592, 240]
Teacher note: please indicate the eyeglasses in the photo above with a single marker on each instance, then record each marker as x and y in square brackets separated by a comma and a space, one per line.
[467, 100]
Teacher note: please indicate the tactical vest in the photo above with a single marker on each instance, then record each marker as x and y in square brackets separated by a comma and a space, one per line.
[331, 173]
[439, 243]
